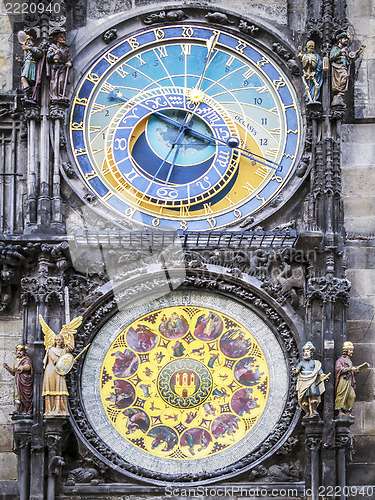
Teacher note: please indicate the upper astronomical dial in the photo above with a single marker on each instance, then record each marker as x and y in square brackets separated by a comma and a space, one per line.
[185, 127]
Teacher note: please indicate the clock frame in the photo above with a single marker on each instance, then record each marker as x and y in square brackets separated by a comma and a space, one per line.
[236, 94]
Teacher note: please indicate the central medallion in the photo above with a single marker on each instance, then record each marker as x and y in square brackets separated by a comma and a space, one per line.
[184, 383]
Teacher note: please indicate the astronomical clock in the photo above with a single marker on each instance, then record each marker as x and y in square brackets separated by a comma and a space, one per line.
[186, 127]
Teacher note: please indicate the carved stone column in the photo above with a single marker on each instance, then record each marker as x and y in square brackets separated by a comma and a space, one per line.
[57, 114]
[53, 435]
[40, 294]
[22, 440]
[343, 445]
[313, 442]
[32, 116]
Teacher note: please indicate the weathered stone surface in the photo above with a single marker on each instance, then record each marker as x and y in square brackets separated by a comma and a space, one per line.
[6, 54]
[358, 474]
[8, 466]
[361, 331]
[361, 257]
[364, 449]
[6, 438]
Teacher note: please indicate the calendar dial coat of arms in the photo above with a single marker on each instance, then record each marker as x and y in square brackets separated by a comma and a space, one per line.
[184, 385]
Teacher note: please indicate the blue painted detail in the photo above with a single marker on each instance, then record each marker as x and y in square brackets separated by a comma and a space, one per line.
[85, 164]
[98, 186]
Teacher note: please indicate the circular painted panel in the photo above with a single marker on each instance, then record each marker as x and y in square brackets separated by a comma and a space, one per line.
[189, 382]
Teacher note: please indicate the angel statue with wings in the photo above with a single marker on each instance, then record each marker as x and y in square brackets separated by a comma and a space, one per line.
[58, 347]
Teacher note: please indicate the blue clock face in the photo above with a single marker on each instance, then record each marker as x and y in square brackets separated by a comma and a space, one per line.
[185, 127]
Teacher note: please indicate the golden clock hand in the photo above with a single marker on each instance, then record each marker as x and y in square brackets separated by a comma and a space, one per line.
[210, 43]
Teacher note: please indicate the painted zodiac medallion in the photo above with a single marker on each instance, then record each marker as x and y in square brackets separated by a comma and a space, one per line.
[184, 382]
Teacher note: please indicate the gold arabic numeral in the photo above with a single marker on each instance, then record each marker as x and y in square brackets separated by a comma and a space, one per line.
[159, 34]
[207, 208]
[211, 221]
[162, 51]
[262, 90]
[82, 101]
[80, 151]
[262, 62]
[155, 222]
[262, 171]
[183, 225]
[279, 83]
[121, 71]
[272, 152]
[107, 88]
[263, 200]
[276, 178]
[134, 44]
[111, 58]
[77, 126]
[93, 77]
[248, 187]
[229, 199]
[187, 31]
[290, 131]
[130, 211]
[241, 46]
[141, 61]
[185, 49]
[184, 211]
[289, 156]
[237, 213]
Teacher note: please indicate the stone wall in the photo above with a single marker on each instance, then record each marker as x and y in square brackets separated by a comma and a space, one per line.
[6, 54]
[10, 336]
[358, 176]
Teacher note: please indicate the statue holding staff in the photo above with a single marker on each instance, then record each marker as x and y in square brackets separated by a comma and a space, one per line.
[59, 64]
[23, 373]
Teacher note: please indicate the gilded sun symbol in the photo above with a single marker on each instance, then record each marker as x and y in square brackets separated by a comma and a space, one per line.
[196, 96]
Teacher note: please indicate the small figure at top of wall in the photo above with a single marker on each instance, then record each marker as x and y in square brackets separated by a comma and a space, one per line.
[59, 64]
[345, 383]
[341, 59]
[55, 390]
[312, 75]
[23, 373]
[310, 383]
[32, 64]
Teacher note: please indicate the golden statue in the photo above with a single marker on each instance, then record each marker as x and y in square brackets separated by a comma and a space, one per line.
[57, 362]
